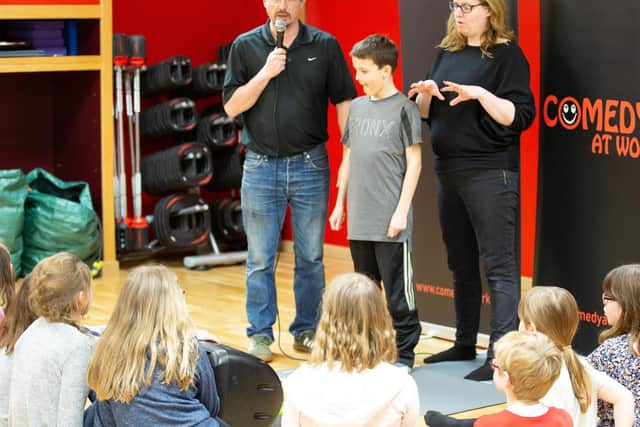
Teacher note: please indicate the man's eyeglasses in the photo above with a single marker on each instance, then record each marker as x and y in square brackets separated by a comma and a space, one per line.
[607, 297]
[494, 364]
[464, 8]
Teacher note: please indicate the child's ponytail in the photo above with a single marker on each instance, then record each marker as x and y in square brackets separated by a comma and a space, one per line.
[580, 381]
[553, 311]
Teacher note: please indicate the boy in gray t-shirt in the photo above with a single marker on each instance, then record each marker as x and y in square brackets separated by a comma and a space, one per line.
[381, 165]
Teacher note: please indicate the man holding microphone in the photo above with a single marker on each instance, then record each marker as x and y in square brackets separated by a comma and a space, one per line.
[280, 77]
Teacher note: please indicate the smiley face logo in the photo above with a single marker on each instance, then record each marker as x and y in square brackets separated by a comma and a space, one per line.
[569, 113]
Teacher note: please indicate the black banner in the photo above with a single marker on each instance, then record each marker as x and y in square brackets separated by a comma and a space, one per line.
[588, 197]
[422, 26]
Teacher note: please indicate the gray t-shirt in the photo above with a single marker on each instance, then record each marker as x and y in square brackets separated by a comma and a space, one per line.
[378, 132]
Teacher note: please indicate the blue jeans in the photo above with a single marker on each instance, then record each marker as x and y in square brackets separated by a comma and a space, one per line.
[479, 215]
[269, 184]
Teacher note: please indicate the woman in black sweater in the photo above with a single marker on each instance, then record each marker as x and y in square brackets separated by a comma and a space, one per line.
[477, 101]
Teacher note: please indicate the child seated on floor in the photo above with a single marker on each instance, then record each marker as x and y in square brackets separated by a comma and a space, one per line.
[350, 379]
[618, 355]
[7, 284]
[148, 368]
[525, 366]
[553, 311]
[48, 377]
[17, 319]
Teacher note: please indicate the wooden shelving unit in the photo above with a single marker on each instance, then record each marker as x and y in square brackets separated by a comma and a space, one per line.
[51, 63]
[86, 119]
[51, 11]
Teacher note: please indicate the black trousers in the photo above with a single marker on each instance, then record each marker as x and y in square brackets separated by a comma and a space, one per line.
[480, 217]
[390, 262]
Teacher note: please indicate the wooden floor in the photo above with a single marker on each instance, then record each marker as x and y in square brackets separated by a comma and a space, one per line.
[216, 300]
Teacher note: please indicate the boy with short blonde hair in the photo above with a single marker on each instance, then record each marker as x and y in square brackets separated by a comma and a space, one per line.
[525, 366]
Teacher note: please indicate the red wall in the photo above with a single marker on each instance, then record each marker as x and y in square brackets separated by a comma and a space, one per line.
[195, 29]
[529, 33]
[48, 2]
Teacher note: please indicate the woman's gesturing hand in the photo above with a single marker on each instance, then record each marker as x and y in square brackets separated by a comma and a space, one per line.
[465, 92]
[428, 87]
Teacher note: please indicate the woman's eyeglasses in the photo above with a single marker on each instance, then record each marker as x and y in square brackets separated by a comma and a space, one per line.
[464, 8]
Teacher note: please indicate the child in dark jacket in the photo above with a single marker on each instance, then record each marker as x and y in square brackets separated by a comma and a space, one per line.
[148, 369]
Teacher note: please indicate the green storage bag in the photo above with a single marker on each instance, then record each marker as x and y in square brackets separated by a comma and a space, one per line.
[13, 192]
[59, 217]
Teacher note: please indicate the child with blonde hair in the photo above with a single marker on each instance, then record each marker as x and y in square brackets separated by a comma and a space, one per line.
[553, 311]
[18, 318]
[525, 366]
[350, 379]
[7, 284]
[48, 378]
[148, 369]
[618, 355]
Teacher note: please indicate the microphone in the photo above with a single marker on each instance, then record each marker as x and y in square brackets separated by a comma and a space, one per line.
[280, 27]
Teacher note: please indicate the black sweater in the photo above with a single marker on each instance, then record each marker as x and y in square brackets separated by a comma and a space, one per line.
[465, 137]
